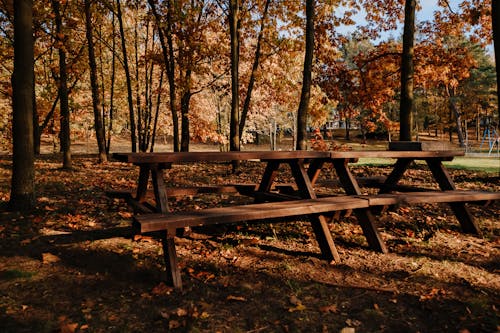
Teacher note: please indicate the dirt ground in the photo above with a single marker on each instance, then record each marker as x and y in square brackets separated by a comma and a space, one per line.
[73, 265]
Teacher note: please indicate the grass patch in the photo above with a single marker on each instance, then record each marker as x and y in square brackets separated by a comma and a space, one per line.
[490, 165]
[14, 274]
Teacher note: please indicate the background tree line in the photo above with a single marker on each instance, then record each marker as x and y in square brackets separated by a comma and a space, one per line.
[219, 70]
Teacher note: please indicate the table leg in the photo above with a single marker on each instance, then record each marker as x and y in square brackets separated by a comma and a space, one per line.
[365, 216]
[142, 184]
[396, 174]
[269, 175]
[170, 256]
[314, 170]
[160, 190]
[319, 224]
[460, 209]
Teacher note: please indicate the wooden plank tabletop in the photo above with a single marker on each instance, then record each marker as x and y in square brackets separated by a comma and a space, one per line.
[171, 157]
[414, 154]
[211, 156]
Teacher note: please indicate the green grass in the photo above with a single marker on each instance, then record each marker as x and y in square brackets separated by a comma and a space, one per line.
[491, 164]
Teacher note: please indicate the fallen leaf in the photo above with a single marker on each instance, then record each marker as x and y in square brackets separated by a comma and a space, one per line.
[173, 324]
[352, 322]
[69, 327]
[162, 289]
[180, 312]
[113, 317]
[236, 298]
[299, 307]
[348, 330]
[294, 300]
[125, 215]
[329, 309]
[25, 242]
[49, 258]
[66, 326]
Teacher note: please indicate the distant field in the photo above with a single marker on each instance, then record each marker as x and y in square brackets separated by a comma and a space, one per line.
[490, 164]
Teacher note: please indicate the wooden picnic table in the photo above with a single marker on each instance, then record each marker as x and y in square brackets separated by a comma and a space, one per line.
[306, 167]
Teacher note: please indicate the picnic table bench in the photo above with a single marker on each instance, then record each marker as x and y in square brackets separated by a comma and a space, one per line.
[299, 198]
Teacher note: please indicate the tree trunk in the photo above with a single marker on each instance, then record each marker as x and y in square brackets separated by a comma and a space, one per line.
[157, 112]
[37, 135]
[65, 134]
[133, 136]
[185, 100]
[22, 195]
[169, 60]
[255, 66]
[306, 80]
[495, 19]
[234, 25]
[458, 117]
[138, 108]
[407, 104]
[112, 87]
[98, 119]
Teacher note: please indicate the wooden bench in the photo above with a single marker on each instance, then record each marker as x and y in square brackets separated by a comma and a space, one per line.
[169, 223]
[451, 197]
[409, 198]
[221, 215]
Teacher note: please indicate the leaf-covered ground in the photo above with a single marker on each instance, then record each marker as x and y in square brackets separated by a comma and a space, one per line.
[73, 266]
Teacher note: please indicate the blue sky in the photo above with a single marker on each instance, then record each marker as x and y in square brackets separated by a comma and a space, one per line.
[425, 13]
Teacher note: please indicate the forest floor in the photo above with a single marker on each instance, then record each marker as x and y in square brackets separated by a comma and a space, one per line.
[73, 266]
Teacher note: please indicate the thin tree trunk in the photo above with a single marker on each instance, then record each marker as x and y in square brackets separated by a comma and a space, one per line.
[234, 24]
[458, 117]
[495, 19]
[112, 88]
[168, 57]
[185, 100]
[65, 134]
[22, 194]
[255, 66]
[98, 119]
[306, 78]
[133, 136]
[36, 129]
[158, 103]
[407, 104]
[139, 111]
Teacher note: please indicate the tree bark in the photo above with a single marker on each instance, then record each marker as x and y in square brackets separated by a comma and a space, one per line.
[495, 19]
[37, 135]
[458, 117]
[306, 78]
[185, 100]
[65, 134]
[407, 104]
[133, 136]
[234, 25]
[112, 86]
[98, 119]
[255, 67]
[22, 195]
[168, 57]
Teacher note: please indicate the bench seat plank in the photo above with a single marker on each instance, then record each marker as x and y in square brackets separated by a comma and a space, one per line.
[431, 197]
[157, 222]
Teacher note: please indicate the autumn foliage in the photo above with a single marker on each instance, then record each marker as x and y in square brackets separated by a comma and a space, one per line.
[177, 86]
